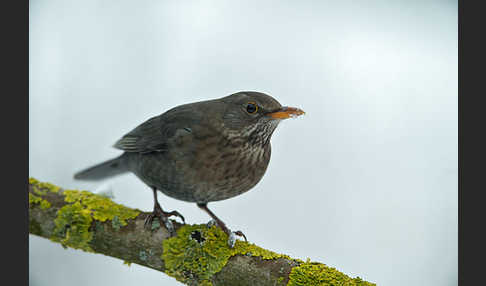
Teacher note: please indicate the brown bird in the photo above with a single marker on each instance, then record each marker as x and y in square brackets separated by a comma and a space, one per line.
[200, 152]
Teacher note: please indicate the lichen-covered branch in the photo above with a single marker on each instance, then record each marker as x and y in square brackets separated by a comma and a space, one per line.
[198, 255]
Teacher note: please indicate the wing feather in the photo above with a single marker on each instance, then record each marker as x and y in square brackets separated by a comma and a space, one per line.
[153, 134]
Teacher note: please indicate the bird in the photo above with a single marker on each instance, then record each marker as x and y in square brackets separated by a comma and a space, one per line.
[199, 152]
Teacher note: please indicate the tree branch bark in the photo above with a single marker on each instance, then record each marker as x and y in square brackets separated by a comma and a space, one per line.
[198, 255]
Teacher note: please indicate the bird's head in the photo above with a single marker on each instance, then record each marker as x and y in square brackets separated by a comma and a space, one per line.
[255, 115]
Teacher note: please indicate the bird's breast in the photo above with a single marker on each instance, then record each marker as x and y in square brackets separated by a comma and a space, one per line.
[221, 167]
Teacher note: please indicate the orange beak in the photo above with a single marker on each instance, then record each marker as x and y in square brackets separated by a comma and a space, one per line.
[286, 112]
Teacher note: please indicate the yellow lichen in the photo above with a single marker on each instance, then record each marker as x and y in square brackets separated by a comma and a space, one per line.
[205, 283]
[74, 221]
[33, 199]
[127, 263]
[41, 188]
[72, 226]
[318, 274]
[101, 208]
[246, 248]
[198, 252]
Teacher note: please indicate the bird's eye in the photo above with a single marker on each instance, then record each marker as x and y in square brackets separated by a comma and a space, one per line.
[251, 107]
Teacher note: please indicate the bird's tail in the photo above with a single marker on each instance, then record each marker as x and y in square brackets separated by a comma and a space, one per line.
[104, 170]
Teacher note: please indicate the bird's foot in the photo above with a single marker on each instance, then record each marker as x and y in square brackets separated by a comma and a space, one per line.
[215, 220]
[231, 234]
[240, 234]
[232, 237]
[162, 217]
[174, 213]
[211, 223]
[153, 220]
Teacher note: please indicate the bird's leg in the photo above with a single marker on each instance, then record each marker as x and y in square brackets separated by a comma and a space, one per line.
[220, 223]
[161, 215]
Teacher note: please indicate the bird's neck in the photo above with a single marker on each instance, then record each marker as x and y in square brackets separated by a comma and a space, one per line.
[253, 139]
[257, 136]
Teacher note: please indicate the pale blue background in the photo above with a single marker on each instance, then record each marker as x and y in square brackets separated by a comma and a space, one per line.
[365, 182]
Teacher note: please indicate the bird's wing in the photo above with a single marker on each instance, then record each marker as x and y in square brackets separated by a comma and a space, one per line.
[153, 134]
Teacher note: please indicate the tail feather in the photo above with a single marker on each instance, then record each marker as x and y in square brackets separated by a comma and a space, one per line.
[103, 170]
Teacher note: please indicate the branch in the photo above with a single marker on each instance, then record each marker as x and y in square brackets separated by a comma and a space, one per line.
[198, 255]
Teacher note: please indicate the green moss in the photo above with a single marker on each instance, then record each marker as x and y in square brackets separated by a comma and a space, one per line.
[33, 199]
[198, 252]
[314, 274]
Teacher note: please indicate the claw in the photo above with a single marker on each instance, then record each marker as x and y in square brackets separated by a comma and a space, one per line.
[231, 240]
[162, 217]
[240, 233]
[216, 221]
[170, 227]
[211, 223]
[232, 237]
[148, 220]
[175, 213]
